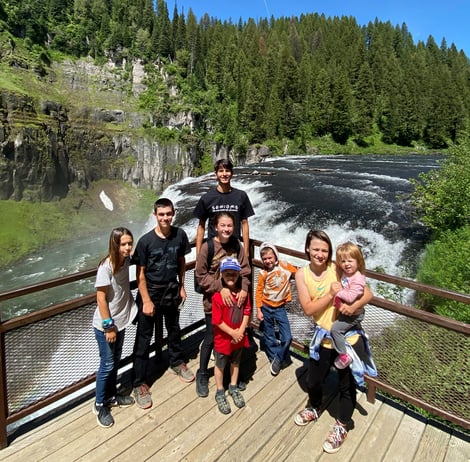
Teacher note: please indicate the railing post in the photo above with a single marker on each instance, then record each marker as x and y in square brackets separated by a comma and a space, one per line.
[3, 394]
[371, 390]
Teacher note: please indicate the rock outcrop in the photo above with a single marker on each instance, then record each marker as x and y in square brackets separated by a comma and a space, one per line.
[45, 146]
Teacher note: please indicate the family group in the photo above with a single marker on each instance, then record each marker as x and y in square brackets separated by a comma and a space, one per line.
[334, 294]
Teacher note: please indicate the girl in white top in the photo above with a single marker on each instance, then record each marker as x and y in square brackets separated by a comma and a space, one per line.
[115, 311]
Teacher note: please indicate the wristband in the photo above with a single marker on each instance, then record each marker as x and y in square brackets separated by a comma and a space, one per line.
[107, 323]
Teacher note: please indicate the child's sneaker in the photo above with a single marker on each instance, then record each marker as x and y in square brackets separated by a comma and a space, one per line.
[236, 396]
[342, 361]
[103, 415]
[142, 396]
[275, 366]
[183, 372]
[120, 401]
[306, 416]
[222, 402]
[202, 384]
[335, 439]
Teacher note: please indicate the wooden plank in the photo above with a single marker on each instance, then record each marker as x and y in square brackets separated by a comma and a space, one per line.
[380, 433]
[433, 445]
[458, 449]
[182, 426]
[285, 397]
[57, 436]
[42, 431]
[363, 418]
[135, 424]
[212, 425]
[405, 443]
[309, 447]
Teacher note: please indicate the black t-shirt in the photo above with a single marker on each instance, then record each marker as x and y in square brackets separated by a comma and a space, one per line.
[160, 256]
[236, 201]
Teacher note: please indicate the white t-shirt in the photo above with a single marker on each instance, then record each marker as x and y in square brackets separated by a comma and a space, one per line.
[118, 294]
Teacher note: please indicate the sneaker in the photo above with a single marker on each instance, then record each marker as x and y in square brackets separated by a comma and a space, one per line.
[222, 403]
[342, 361]
[236, 396]
[120, 401]
[103, 415]
[242, 385]
[183, 372]
[286, 363]
[275, 366]
[142, 396]
[335, 439]
[306, 416]
[202, 384]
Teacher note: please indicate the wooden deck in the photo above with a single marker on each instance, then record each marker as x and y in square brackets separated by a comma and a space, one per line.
[180, 426]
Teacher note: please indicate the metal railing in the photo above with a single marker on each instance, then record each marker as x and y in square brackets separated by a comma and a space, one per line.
[49, 354]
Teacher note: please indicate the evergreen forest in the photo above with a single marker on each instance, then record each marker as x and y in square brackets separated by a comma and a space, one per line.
[290, 78]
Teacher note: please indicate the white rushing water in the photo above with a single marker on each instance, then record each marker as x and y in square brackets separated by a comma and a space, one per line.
[359, 198]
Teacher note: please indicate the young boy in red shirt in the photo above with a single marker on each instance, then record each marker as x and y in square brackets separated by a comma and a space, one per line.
[230, 324]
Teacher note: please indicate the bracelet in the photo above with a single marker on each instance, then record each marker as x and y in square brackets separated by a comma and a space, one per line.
[107, 323]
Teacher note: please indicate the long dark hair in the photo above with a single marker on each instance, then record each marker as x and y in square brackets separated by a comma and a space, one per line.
[113, 247]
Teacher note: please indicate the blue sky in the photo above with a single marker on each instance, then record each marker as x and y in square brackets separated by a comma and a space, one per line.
[439, 18]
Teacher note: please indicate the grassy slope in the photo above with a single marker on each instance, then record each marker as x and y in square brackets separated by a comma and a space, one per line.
[28, 227]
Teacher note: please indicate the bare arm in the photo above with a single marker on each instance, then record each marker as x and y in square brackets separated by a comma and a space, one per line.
[182, 273]
[358, 305]
[103, 308]
[246, 237]
[317, 305]
[236, 334]
[148, 306]
[200, 235]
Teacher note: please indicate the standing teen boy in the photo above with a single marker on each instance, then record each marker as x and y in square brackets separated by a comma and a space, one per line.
[224, 198]
[160, 259]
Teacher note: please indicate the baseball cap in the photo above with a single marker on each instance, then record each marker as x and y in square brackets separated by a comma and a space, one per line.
[229, 264]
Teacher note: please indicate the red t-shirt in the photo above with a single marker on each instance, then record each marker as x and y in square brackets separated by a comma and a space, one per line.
[233, 317]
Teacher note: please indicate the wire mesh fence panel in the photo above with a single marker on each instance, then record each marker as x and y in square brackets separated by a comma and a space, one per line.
[46, 357]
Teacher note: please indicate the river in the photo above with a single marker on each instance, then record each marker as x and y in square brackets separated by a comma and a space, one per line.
[363, 198]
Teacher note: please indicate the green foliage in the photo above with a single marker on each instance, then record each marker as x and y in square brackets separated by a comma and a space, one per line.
[446, 264]
[30, 226]
[205, 165]
[442, 197]
[290, 78]
[431, 361]
[162, 134]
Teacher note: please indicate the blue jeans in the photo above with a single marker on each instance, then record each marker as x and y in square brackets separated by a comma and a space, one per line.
[274, 348]
[110, 355]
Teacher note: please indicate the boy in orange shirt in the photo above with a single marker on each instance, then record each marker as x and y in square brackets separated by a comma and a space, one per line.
[273, 291]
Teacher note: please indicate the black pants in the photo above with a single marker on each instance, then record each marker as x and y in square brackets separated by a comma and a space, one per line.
[146, 325]
[207, 345]
[316, 374]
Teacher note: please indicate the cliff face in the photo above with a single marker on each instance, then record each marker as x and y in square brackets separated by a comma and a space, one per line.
[45, 145]
[42, 152]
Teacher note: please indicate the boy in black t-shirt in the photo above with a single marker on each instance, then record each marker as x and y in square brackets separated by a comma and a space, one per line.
[160, 259]
[224, 198]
